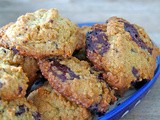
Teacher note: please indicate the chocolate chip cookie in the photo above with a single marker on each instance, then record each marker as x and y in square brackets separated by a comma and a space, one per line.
[53, 105]
[40, 34]
[13, 82]
[19, 109]
[123, 50]
[75, 80]
[28, 64]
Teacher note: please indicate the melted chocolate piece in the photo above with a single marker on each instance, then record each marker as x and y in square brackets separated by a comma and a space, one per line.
[21, 110]
[135, 36]
[36, 115]
[64, 71]
[15, 50]
[96, 41]
[135, 72]
[1, 85]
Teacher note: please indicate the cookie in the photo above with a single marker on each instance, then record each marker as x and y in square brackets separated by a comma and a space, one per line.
[3, 30]
[18, 109]
[123, 50]
[75, 80]
[13, 82]
[81, 36]
[28, 64]
[41, 34]
[53, 105]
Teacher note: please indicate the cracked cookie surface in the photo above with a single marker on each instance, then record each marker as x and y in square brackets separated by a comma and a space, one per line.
[53, 105]
[123, 50]
[75, 80]
[41, 34]
[28, 64]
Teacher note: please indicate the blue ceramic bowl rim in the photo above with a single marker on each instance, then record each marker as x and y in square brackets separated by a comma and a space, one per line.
[117, 112]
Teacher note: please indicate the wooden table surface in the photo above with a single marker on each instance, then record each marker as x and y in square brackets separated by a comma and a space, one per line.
[143, 12]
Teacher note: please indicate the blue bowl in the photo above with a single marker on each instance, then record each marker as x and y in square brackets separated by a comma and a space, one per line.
[119, 111]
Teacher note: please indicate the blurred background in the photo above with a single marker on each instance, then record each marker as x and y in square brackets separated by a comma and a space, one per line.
[145, 13]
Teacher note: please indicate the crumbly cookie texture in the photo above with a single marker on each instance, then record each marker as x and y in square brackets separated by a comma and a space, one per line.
[41, 34]
[13, 82]
[75, 80]
[28, 64]
[2, 32]
[123, 50]
[19, 109]
[81, 36]
[53, 106]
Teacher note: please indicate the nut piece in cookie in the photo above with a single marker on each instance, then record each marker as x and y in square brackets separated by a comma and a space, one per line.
[75, 80]
[53, 105]
[41, 34]
[19, 109]
[123, 50]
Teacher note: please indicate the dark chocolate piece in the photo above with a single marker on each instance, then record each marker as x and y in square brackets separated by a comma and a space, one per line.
[20, 90]
[135, 72]
[96, 41]
[21, 110]
[4, 51]
[36, 115]
[135, 36]
[66, 72]
[15, 50]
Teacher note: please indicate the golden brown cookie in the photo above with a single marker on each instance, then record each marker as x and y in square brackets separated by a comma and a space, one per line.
[42, 33]
[19, 109]
[28, 64]
[123, 50]
[81, 36]
[75, 80]
[13, 82]
[53, 106]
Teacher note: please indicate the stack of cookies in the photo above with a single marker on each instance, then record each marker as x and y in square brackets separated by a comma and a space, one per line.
[86, 68]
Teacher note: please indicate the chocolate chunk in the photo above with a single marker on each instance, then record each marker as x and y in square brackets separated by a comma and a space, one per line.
[20, 90]
[135, 72]
[96, 41]
[100, 76]
[135, 36]
[4, 51]
[15, 50]
[21, 110]
[65, 72]
[36, 115]
[1, 85]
